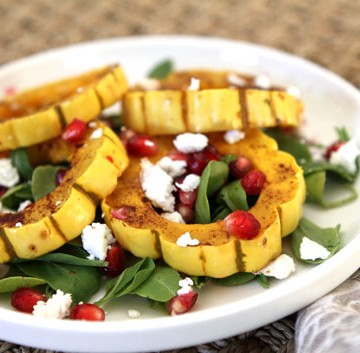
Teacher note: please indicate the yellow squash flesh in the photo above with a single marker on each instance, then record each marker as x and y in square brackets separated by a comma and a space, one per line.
[47, 109]
[174, 109]
[60, 216]
[278, 209]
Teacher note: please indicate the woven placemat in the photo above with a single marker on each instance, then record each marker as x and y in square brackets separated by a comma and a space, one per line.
[324, 31]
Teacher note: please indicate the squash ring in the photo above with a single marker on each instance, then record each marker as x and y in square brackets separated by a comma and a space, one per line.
[60, 216]
[46, 110]
[278, 209]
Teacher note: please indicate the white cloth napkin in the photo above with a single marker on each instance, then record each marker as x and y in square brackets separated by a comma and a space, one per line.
[331, 324]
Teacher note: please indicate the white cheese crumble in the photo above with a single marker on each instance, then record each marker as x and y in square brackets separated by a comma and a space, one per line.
[294, 91]
[96, 239]
[280, 268]
[233, 136]
[18, 224]
[56, 307]
[23, 205]
[133, 314]
[157, 185]
[171, 167]
[311, 250]
[173, 217]
[93, 124]
[347, 154]
[190, 183]
[149, 84]
[190, 142]
[185, 240]
[262, 81]
[96, 134]
[185, 286]
[9, 175]
[235, 80]
[194, 84]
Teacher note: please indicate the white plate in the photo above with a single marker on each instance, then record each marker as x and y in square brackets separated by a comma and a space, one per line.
[220, 312]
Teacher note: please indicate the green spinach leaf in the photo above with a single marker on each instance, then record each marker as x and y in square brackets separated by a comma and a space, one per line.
[10, 284]
[15, 195]
[44, 181]
[161, 70]
[236, 279]
[20, 160]
[234, 196]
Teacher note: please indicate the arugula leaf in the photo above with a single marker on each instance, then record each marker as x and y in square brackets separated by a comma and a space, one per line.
[161, 70]
[161, 285]
[15, 195]
[82, 282]
[214, 176]
[10, 284]
[43, 181]
[128, 280]
[327, 237]
[20, 160]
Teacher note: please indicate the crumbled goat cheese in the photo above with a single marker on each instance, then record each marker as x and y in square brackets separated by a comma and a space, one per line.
[311, 250]
[149, 84]
[23, 205]
[96, 239]
[93, 124]
[133, 314]
[294, 91]
[57, 203]
[189, 142]
[9, 175]
[233, 136]
[280, 268]
[96, 134]
[173, 217]
[194, 84]
[185, 286]
[171, 167]
[157, 185]
[347, 154]
[186, 240]
[190, 183]
[262, 81]
[235, 80]
[56, 307]
[18, 224]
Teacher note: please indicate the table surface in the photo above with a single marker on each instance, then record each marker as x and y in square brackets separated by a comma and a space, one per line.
[324, 31]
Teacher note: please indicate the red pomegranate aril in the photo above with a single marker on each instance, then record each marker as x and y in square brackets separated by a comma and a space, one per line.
[188, 198]
[181, 304]
[333, 148]
[187, 213]
[88, 312]
[60, 176]
[253, 182]
[125, 135]
[239, 167]
[211, 153]
[141, 146]
[3, 190]
[242, 225]
[74, 132]
[24, 299]
[178, 156]
[115, 259]
[121, 213]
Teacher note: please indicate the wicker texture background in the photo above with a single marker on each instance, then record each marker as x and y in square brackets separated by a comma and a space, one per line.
[324, 31]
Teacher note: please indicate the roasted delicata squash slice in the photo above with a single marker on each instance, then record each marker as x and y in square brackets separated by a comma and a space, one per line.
[215, 105]
[219, 254]
[47, 109]
[61, 215]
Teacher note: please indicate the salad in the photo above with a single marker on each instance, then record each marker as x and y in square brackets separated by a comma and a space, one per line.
[62, 283]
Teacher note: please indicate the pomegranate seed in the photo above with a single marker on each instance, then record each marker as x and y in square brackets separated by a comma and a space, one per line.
[60, 176]
[3, 190]
[253, 182]
[333, 148]
[181, 304]
[141, 146]
[239, 167]
[121, 213]
[242, 225]
[211, 153]
[115, 258]
[187, 213]
[24, 299]
[178, 156]
[199, 160]
[188, 198]
[74, 132]
[125, 136]
[88, 312]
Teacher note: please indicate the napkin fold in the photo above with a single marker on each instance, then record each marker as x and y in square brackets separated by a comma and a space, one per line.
[331, 324]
